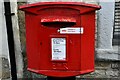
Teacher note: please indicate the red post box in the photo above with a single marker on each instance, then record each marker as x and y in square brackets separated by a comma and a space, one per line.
[60, 38]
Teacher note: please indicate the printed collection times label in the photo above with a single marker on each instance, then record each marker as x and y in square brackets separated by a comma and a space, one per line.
[58, 48]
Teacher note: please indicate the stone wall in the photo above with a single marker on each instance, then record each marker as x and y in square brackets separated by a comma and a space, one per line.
[4, 60]
[104, 69]
[5, 73]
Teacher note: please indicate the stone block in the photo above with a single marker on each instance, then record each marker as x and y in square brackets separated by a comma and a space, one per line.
[5, 72]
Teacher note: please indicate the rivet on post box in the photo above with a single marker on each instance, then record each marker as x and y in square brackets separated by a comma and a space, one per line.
[60, 38]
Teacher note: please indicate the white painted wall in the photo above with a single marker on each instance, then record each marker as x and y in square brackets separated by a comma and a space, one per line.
[105, 49]
[105, 25]
[0, 39]
[3, 37]
[3, 33]
[0, 28]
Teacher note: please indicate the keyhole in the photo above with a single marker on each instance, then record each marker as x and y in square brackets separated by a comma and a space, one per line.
[40, 43]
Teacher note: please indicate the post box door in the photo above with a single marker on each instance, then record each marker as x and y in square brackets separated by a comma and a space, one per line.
[64, 54]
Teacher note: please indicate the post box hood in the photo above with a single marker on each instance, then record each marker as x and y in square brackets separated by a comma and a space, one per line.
[83, 7]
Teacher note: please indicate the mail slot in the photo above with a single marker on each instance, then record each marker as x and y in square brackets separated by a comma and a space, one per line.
[58, 21]
[60, 38]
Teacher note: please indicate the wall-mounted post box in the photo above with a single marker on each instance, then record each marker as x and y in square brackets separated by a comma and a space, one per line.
[60, 38]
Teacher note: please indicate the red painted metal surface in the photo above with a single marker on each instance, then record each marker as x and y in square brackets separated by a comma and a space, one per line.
[43, 22]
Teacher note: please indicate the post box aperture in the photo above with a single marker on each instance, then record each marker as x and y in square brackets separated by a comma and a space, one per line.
[58, 21]
[60, 38]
